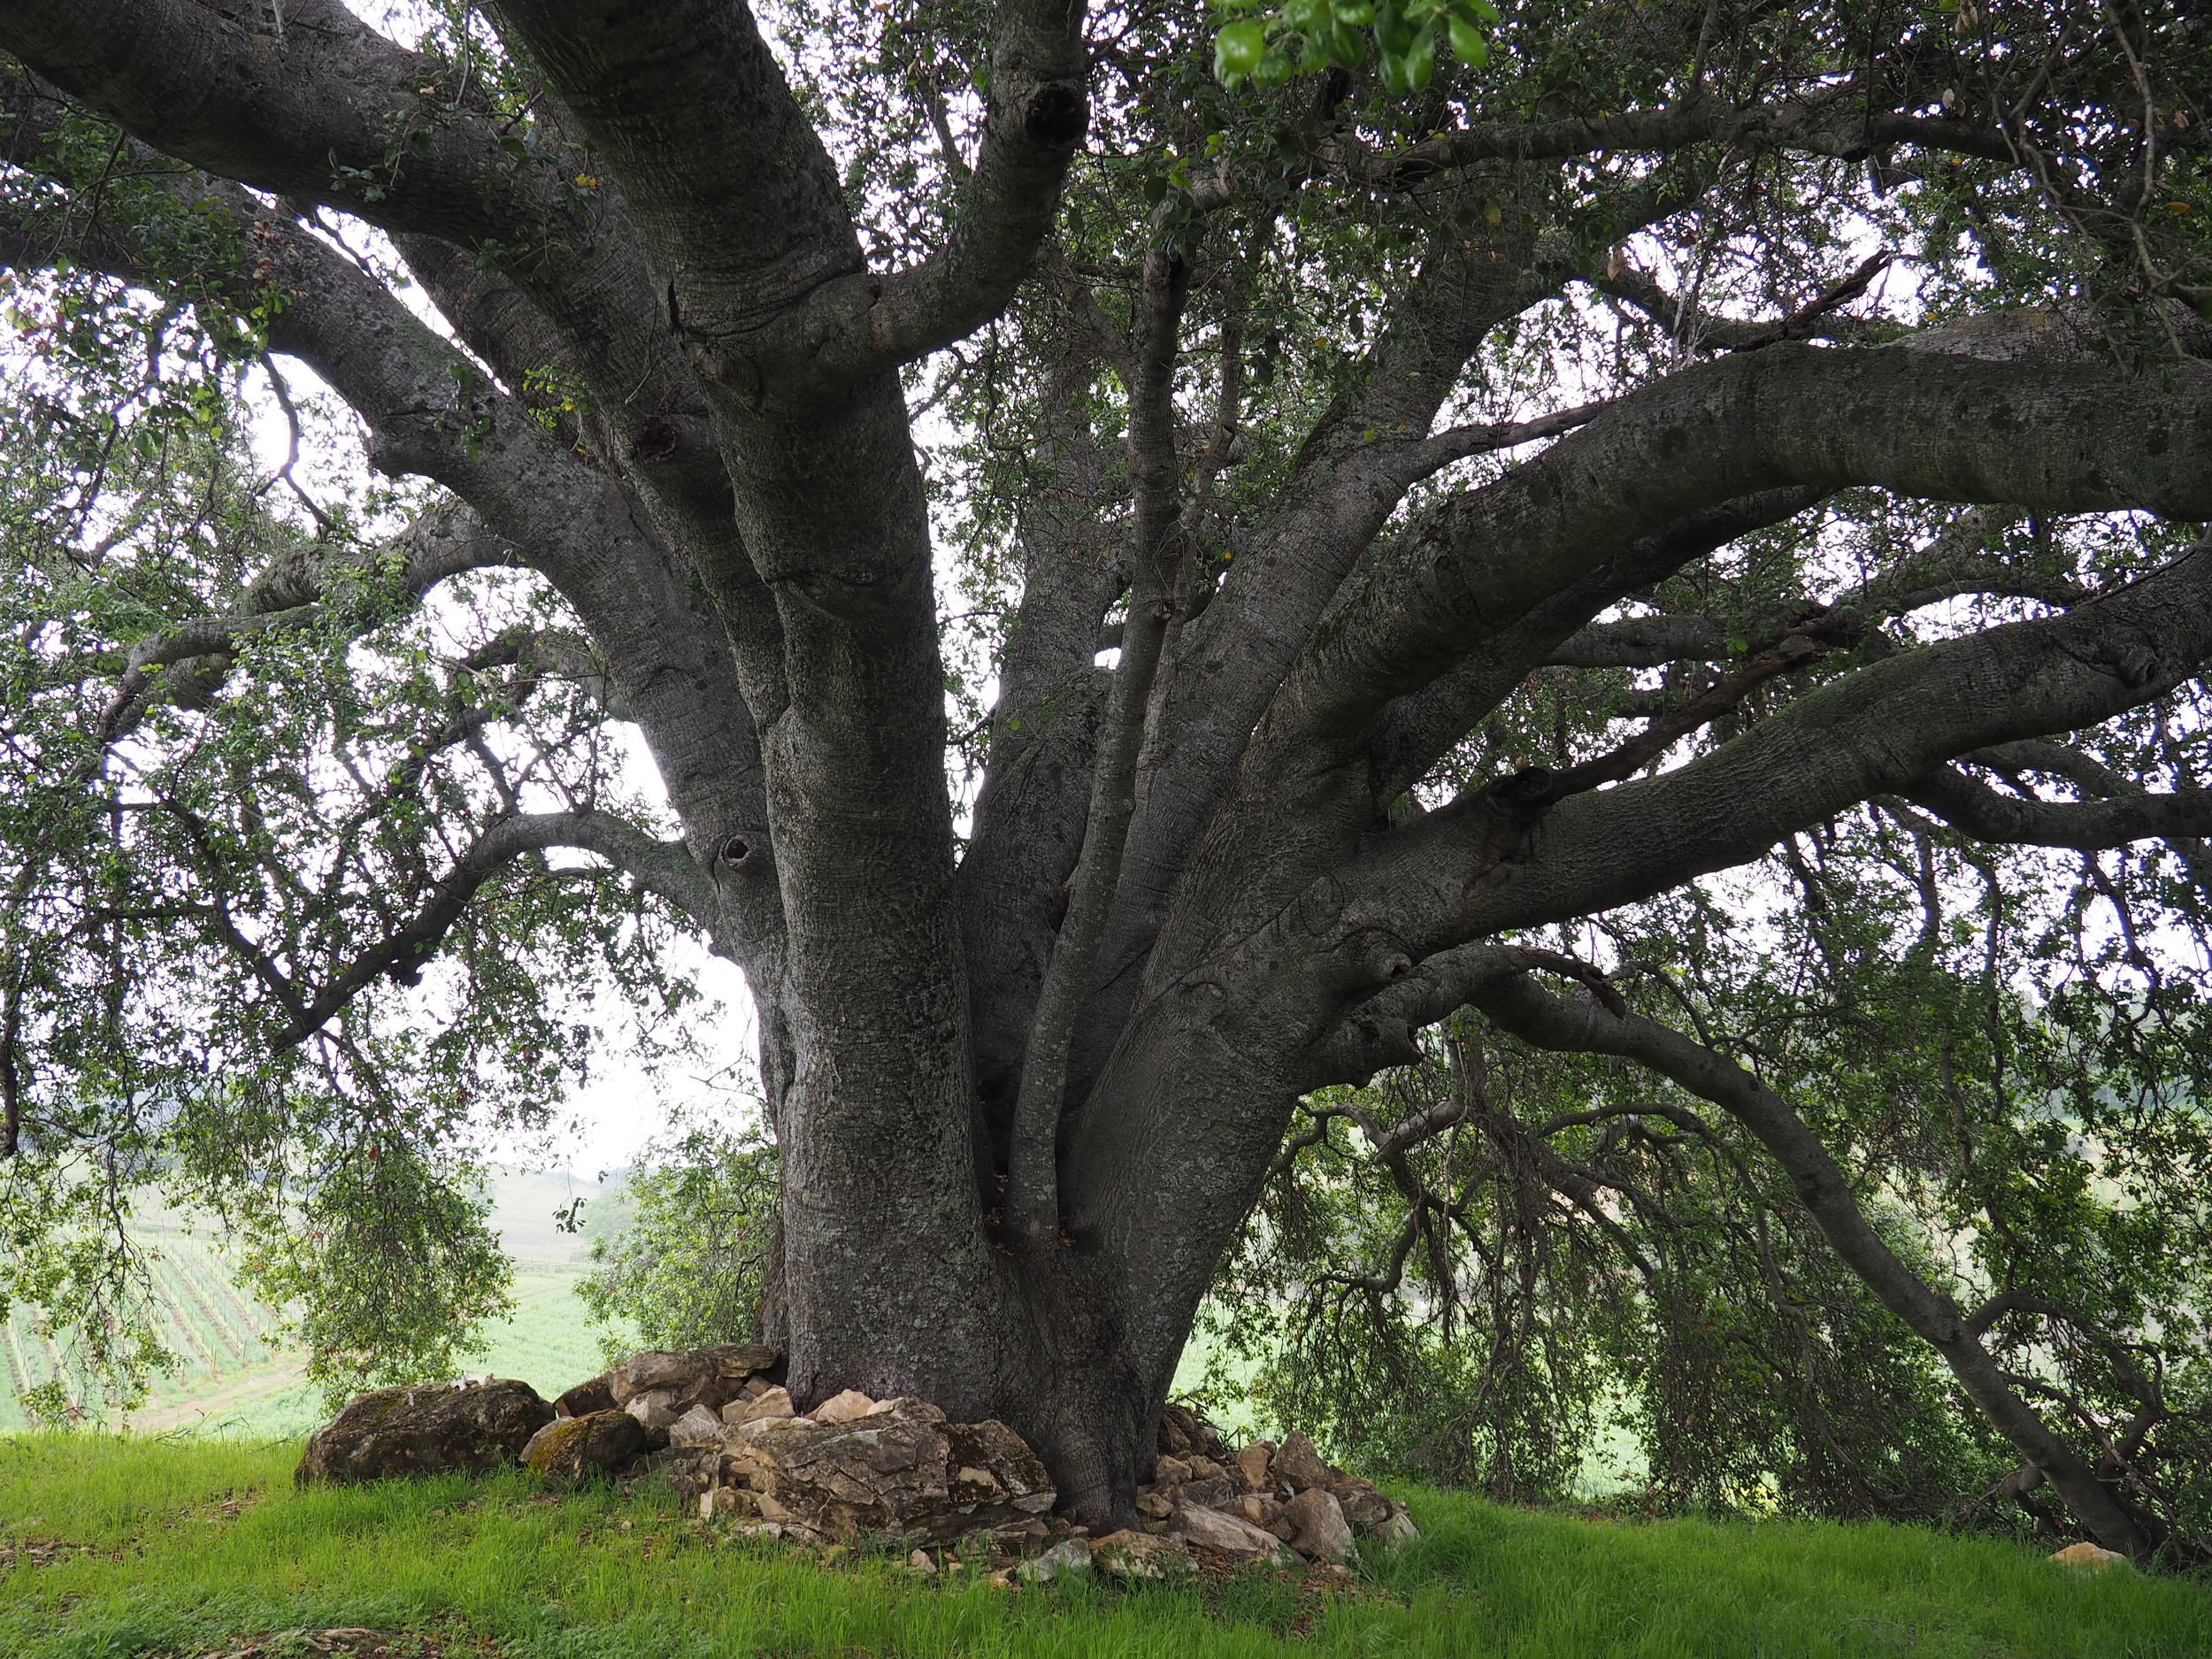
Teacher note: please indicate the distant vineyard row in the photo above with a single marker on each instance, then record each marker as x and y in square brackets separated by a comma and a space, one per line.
[216, 1333]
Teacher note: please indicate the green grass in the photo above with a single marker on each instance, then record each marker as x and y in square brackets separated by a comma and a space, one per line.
[568, 1579]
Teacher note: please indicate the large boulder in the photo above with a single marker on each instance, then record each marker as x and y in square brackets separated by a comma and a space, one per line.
[427, 1428]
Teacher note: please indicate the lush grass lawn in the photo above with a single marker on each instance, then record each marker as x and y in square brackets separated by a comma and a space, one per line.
[172, 1568]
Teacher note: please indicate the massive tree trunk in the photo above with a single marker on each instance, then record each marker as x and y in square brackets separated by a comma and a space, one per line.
[1027, 1090]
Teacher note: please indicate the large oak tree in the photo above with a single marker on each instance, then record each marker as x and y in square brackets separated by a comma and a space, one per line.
[1431, 507]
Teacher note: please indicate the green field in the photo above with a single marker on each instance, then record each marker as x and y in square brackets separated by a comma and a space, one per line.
[130, 1548]
[237, 1376]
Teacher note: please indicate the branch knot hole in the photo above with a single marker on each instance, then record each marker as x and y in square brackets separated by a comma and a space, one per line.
[735, 852]
[1057, 117]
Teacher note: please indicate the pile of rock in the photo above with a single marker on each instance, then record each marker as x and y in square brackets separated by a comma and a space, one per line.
[855, 1468]
[1227, 1501]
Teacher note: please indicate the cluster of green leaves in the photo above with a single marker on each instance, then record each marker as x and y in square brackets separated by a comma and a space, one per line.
[185, 872]
[1268, 44]
[1996, 1047]
[681, 1246]
[1453, 1315]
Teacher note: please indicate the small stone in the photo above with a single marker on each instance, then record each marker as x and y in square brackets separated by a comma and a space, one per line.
[588, 1397]
[769, 1402]
[1323, 1534]
[1069, 1558]
[1203, 1469]
[652, 1411]
[698, 1426]
[1301, 1466]
[1399, 1528]
[920, 1562]
[742, 1359]
[1259, 1509]
[1153, 1507]
[1228, 1534]
[755, 1387]
[1139, 1556]
[2089, 1556]
[725, 1502]
[843, 1408]
[1212, 1492]
[1252, 1464]
[1170, 1471]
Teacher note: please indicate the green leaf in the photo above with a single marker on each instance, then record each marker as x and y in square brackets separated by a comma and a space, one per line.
[1238, 51]
[1468, 44]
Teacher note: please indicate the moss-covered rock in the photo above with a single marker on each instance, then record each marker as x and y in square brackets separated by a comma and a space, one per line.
[568, 1448]
[426, 1428]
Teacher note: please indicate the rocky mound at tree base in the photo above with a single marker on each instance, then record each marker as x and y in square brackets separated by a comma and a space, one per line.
[855, 1469]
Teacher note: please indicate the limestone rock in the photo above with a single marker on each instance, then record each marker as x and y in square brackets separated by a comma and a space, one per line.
[1069, 1558]
[655, 1413]
[1170, 1471]
[698, 1426]
[711, 1377]
[920, 1561]
[586, 1397]
[1154, 1506]
[1230, 1535]
[423, 1429]
[1321, 1533]
[1139, 1556]
[843, 1408]
[899, 1468]
[1021, 1482]
[1209, 1492]
[1298, 1465]
[2089, 1556]
[1399, 1528]
[731, 1503]
[769, 1402]
[1252, 1464]
[1263, 1511]
[568, 1448]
